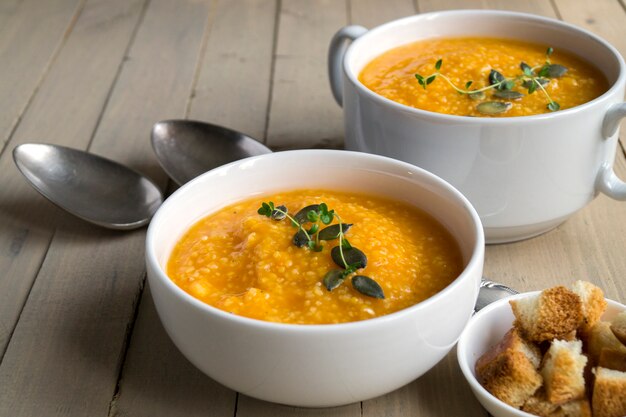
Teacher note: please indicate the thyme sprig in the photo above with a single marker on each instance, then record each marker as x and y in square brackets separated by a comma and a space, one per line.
[344, 255]
[531, 78]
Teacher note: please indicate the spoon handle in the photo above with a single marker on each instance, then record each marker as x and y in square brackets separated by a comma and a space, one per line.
[491, 291]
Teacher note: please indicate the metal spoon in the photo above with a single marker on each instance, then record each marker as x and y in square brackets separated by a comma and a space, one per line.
[490, 291]
[93, 188]
[187, 148]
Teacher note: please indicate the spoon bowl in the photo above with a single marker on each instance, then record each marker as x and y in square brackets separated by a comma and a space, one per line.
[187, 148]
[88, 186]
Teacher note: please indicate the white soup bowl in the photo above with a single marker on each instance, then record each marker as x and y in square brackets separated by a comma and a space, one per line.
[315, 365]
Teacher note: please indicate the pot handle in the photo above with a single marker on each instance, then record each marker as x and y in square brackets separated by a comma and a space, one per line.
[607, 181]
[336, 51]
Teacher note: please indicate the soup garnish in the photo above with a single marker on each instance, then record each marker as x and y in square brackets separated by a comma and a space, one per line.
[531, 78]
[345, 255]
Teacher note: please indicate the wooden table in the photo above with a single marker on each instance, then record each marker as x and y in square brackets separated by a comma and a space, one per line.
[79, 335]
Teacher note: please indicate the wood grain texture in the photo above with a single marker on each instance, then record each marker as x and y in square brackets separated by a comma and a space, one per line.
[31, 34]
[303, 113]
[542, 7]
[371, 13]
[234, 81]
[64, 356]
[65, 111]
[158, 381]
[250, 407]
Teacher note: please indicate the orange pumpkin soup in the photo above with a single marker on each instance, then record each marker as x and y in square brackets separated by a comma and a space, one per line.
[555, 76]
[247, 264]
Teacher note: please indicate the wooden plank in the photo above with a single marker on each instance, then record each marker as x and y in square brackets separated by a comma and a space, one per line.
[154, 369]
[234, 82]
[249, 407]
[31, 33]
[542, 7]
[371, 13]
[303, 113]
[158, 381]
[66, 352]
[65, 111]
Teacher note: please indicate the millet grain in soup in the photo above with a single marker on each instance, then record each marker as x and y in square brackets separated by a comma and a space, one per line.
[246, 264]
[392, 75]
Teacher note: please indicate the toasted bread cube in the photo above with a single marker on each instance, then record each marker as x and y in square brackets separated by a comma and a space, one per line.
[593, 303]
[553, 314]
[563, 371]
[509, 369]
[618, 327]
[539, 405]
[609, 393]
[601, 337]
[578, 408]
[613, 359]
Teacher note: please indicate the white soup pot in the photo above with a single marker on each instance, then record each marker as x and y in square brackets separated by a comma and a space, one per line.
[524, 175]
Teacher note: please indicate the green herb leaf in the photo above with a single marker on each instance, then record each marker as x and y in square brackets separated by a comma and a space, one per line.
[314, 229]
[529, 83]
[508, 95]
[438, 64]
[312, 216]
[553, 106]
[526, 69]
[549, 51]
[507, 85]
[333, 279]
[345, 244]
[430, 79]
[468, 84]
[493, 107]
[352, 256]
[333, 232]
[314, 246]
[301, 216]
[367, 286]
[420, 80]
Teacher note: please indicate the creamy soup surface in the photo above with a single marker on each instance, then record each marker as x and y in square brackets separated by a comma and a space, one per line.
[244, 263]
[392, 75]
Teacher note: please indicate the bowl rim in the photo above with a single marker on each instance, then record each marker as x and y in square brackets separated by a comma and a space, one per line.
[475, 259]
[462, 348]
[441, 117]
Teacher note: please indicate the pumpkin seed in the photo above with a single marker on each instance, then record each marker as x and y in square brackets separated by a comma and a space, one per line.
[279, 215]
[508, 95]
[556, 71]
[495, 77]
[493, 107]
[302, 216]
[352, 255]
[367, 286]
[332, 232]
[300, 239]
[333, 279]
[479, 95]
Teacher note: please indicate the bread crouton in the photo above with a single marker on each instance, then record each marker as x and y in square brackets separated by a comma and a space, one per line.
[618, 327]
[613, 359]
[601, 337]
[593, 303]
[552, 314]
[578, 408]
[539, 405]
[509, 369]
[562, 371]
[609, 393]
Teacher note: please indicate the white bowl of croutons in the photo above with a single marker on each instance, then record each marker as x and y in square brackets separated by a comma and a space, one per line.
[555, 353]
